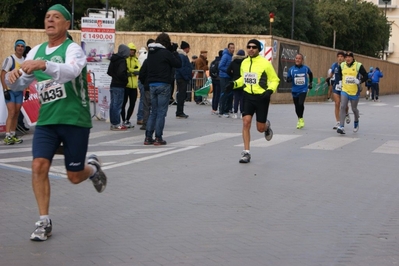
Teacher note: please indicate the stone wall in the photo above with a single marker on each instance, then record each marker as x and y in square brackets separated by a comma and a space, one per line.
[318, 58]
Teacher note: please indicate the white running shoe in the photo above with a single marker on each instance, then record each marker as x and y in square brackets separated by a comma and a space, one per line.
[341, 130]
[42, 231]
[336, 126]
[245, 157]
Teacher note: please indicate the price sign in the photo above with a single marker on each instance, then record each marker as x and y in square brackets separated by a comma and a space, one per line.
[98, 30]
[98, 37]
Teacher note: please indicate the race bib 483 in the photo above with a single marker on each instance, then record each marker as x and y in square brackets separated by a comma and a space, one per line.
[250, 78]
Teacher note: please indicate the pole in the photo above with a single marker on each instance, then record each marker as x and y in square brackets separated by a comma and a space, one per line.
[106, 9]
[73, 13]
[334, 38]
[293, 19]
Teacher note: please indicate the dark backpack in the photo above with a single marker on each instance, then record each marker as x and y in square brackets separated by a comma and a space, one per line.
[214, 69]
[13, 63]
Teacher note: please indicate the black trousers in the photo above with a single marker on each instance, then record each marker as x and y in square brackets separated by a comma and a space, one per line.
[181, 95]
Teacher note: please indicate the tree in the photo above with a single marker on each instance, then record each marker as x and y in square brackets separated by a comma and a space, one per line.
[354, 22]
[201, 16]
[315, 20]
[30, 13]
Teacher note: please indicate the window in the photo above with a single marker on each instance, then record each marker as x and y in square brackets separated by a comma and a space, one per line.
[382, 2]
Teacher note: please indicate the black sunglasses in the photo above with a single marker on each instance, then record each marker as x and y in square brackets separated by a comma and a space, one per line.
[252, 47]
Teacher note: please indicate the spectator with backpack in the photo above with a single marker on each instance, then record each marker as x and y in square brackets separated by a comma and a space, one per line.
[368, 83]
[21, 125]
[375, 86]
[13, 98]
[214, 73]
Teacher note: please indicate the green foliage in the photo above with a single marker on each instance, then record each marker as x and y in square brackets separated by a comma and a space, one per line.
[123, 24]
[30, 13]
[360, 26]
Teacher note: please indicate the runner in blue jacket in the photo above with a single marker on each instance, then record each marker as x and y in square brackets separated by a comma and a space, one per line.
[301, 77]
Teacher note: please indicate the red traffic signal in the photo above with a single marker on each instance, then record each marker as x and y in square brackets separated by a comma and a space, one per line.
[271, 16]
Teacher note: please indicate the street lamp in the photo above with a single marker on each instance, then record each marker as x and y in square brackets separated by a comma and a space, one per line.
[271, 17]
[386, 3]
[385, 43]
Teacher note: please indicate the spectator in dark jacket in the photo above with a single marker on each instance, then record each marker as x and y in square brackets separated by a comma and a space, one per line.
[216, 84]
[117, 69]
[226, 98]
[183, 77]
[234, 72]
[143, 78]
[145, 101]
[162, 58]
[375, 86]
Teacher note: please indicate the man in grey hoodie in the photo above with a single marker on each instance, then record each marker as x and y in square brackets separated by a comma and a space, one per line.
[117, 69]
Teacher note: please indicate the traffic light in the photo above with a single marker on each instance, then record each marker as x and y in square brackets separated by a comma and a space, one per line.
[271, 16]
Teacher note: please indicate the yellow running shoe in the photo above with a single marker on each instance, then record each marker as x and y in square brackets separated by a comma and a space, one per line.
[17, 140]
[8, 140]
[300, 124]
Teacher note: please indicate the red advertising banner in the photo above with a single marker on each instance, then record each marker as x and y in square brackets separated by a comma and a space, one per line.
[30, 108]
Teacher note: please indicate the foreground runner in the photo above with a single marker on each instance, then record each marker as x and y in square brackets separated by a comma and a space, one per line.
[260, 81]
[59, 66]
[337, 89]
[350, 79]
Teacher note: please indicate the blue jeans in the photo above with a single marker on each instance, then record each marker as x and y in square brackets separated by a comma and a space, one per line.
[115, 107]
[140, 110]
[159, 107]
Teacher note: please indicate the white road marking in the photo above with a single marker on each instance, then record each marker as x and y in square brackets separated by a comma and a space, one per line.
[331, 143]
[200, 141]
[14, 150]
[389, 147]
[149, 157]
[277, 139]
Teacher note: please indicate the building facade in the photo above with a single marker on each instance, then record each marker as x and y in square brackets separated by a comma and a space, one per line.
[391, 9]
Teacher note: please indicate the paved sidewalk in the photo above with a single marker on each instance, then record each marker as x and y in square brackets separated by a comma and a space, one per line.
[308, 197]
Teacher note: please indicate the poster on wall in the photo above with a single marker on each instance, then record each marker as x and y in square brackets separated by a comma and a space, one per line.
[98, 42]
[286, 60]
